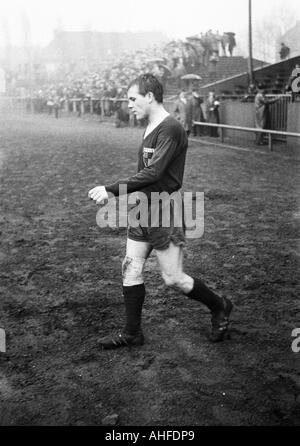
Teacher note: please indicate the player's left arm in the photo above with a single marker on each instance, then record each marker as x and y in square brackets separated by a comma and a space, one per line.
[98, 194]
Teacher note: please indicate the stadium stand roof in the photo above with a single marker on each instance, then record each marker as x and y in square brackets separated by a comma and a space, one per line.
[274, 76]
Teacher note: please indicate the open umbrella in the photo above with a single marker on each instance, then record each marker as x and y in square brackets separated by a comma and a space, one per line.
[191, 76]
[156, 60]
[193, 38]
[173, 42]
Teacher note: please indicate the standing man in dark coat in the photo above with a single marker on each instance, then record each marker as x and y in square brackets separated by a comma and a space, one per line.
[284, 51]
[212, 113]
[196, 113]
[261, 103]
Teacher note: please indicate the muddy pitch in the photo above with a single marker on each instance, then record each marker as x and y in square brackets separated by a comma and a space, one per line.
[61, 287]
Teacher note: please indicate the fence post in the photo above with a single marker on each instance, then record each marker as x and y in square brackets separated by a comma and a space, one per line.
[222, 134]
[74, 106]
[270, 142]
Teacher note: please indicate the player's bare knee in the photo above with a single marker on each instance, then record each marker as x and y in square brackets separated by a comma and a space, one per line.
[176, 280]
[125, 264]
[170, 279]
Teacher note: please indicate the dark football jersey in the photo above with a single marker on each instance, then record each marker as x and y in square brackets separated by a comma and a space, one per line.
[161, 161]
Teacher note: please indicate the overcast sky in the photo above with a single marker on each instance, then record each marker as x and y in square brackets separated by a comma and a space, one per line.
[176, 18]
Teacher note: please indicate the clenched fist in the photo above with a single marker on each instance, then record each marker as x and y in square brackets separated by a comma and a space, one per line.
[98, 194]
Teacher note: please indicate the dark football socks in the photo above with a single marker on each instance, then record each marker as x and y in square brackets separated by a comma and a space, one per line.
[133, 298]
[203, 294]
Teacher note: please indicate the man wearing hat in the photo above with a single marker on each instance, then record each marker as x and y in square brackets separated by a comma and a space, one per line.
[284, 51]
[197, 113]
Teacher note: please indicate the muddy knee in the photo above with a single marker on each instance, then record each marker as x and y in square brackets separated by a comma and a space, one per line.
[132, 270]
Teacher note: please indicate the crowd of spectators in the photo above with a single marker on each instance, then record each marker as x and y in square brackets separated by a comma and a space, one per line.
[101, 87]
[190, 107]
[109, 78]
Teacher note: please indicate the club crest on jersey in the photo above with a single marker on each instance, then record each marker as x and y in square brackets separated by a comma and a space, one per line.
[147, 155]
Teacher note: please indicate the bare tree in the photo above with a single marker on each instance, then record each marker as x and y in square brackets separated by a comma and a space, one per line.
[27, 49]
[268, 31]
[26, 29]
[7, 42]
[265, 38]
[59, 24]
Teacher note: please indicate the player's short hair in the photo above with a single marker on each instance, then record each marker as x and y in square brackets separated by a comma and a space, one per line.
[149, 83]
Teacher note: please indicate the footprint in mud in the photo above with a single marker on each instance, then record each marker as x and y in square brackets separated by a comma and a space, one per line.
[228, 417]
[5, 388]
[145, 362]
[191, 350]
[147, 370]
[185, 375]
[240, 331]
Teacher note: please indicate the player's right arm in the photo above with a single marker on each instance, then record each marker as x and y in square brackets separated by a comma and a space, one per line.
[165, 150]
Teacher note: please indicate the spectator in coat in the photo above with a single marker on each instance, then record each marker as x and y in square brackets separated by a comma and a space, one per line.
[179, 71]
[212, 113]
[182, 112]
[261, 104]
[284, 51]
[197, 113]
[212, 66]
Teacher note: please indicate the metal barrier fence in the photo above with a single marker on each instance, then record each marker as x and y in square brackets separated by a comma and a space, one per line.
[108, 106]
[270, 133]
[7, 102]
[279, 115]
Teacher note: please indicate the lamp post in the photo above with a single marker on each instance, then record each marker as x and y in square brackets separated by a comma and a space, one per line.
[250, 58]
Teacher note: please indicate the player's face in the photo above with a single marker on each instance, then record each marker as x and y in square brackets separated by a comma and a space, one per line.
[137, 103]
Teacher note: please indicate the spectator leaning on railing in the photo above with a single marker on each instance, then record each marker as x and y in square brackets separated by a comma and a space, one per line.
[261, 104]
[212, 113]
